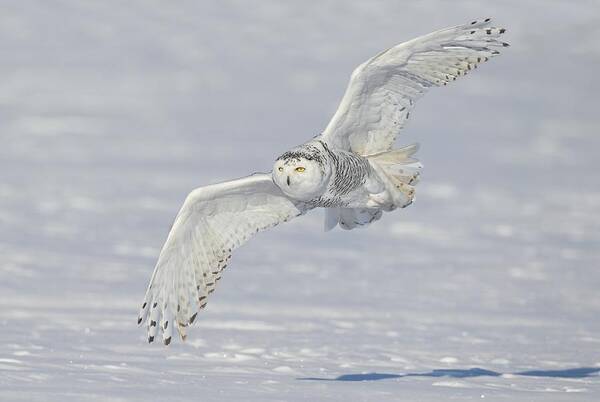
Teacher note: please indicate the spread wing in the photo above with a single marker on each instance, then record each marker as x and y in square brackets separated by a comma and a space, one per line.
[212, 222]
[383, 90]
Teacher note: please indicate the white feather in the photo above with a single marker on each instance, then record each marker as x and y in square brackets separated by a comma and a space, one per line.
[212, 222]
[332, 217]
[382, 91]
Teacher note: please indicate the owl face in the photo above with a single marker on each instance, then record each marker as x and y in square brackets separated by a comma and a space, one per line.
[300, 178]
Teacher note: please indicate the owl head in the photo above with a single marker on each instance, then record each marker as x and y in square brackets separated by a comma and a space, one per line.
[301, 174]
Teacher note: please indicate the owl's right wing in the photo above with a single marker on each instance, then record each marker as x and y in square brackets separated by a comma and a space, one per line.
[212, 222]
[383, 90]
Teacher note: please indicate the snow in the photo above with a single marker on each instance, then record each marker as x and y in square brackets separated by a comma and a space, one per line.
[485, 288]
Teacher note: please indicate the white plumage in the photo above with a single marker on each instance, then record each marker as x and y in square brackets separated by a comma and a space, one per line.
[383, 90]
[350, 169]
[211, 223]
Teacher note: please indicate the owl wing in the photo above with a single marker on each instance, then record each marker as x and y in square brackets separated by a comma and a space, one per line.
[212, 222]
[383, 90]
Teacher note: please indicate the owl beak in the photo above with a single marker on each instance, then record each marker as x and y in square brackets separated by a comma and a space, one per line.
[288, 180]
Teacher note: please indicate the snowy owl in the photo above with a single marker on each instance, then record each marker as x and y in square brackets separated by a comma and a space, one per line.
[350, 169]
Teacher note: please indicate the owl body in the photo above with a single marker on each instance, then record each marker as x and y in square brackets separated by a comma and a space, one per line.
[340, 177]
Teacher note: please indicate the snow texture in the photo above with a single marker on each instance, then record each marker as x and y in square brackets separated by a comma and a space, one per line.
[485, 288]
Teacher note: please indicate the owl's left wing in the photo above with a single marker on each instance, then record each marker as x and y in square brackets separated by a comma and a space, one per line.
[212, 222]
[383, 90]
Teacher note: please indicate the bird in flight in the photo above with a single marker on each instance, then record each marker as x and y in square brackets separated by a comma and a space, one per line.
[350, 170]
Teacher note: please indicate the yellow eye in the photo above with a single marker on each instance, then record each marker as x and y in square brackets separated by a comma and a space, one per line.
[280, 168]
[300, 169]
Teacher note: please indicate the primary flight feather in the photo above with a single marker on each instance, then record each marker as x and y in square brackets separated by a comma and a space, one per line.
[350, 169]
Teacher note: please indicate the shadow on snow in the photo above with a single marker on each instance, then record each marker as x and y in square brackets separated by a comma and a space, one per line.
[580, 372]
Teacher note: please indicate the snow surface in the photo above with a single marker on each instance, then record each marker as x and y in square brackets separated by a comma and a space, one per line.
[486, 288]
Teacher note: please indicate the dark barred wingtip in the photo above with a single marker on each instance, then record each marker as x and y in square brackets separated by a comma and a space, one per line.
[139, 320]
[193, 318]
[167, 341]
[150, 339]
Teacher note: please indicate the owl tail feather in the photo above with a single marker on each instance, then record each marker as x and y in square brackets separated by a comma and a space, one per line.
[401, 172]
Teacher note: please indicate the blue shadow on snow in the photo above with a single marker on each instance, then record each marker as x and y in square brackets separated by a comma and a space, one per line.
[580, 372]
